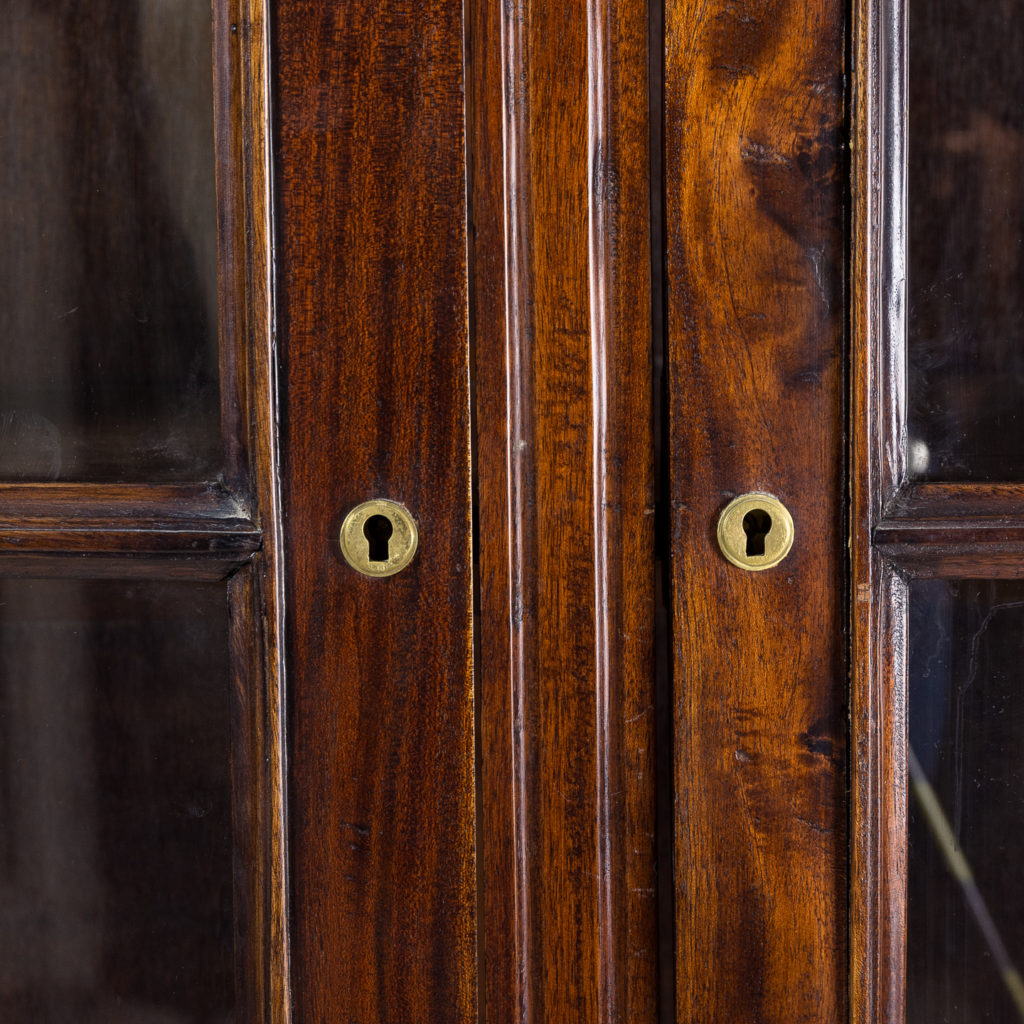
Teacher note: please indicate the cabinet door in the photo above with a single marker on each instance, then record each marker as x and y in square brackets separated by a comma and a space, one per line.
[141, 728]
[938, 512]
[559, 281]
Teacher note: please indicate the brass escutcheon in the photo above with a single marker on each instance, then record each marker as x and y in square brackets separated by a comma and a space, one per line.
[379, 538]
[755, 531]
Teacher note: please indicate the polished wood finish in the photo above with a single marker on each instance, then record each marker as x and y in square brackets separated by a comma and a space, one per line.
[372, 310]
[257, 730]
[249, 417]
[953, 513]
[877, 468]
[463, 212]
[46, 525]
[754, 222]
[954, 530]
[562, 373]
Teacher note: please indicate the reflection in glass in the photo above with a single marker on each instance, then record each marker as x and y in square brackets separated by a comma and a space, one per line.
[108, 276]
[115, 843]
[966, 239]
[965, 937]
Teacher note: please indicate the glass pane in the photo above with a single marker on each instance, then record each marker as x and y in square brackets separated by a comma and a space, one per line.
[108, 275]
[115, 843]
[966, 230]
[965, 941]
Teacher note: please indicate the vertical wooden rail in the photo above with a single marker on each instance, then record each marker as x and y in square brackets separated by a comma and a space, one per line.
[559, 171]
[878, 470]
[754, 227]
[249, 414]
[373, 319]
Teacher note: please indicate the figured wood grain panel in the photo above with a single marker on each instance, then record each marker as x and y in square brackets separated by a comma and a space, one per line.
[754, 217]
[564, 461]
[372, 300]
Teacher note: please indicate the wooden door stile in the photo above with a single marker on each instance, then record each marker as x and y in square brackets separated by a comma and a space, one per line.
[754, 247]
[374, 360]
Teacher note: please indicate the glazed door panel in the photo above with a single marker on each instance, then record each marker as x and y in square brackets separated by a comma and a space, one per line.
[937, 513]
[141, 748]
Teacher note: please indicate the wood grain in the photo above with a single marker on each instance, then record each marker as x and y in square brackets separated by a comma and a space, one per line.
[564, 461]
[244, 242]
[250, 415]
[958, 504]
[372, 314]
[870, 484]
[970, 528]
[754, 218]
[48, 527]
[254, 772]
[878, 848]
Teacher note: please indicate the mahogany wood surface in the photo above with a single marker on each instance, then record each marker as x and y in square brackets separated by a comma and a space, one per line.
[967, 514]
[562, 366]
[956, 530]
[754, 234]
[255, 767]
[201, 524]
[94, 531]
[877, 469]
[248, 401]
[370, 204]
[249, 412]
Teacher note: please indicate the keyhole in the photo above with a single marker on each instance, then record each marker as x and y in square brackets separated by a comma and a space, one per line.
[756, 525]
[377, 530]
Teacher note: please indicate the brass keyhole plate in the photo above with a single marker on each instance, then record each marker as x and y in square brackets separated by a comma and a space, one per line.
[767, 537]
[401, 543]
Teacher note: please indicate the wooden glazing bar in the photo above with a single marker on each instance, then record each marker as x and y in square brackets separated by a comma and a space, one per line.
[975, 532]
[83, 506]
[190, 522]
[93, 565]
[754, 238]
[371, 219]
[984, 559]
[900, 529]
[564, 460]
[250, 416]
[244, 242]
[257, 805]
[956, 503]
[878, 797]
[877, 475]
[967, 527]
